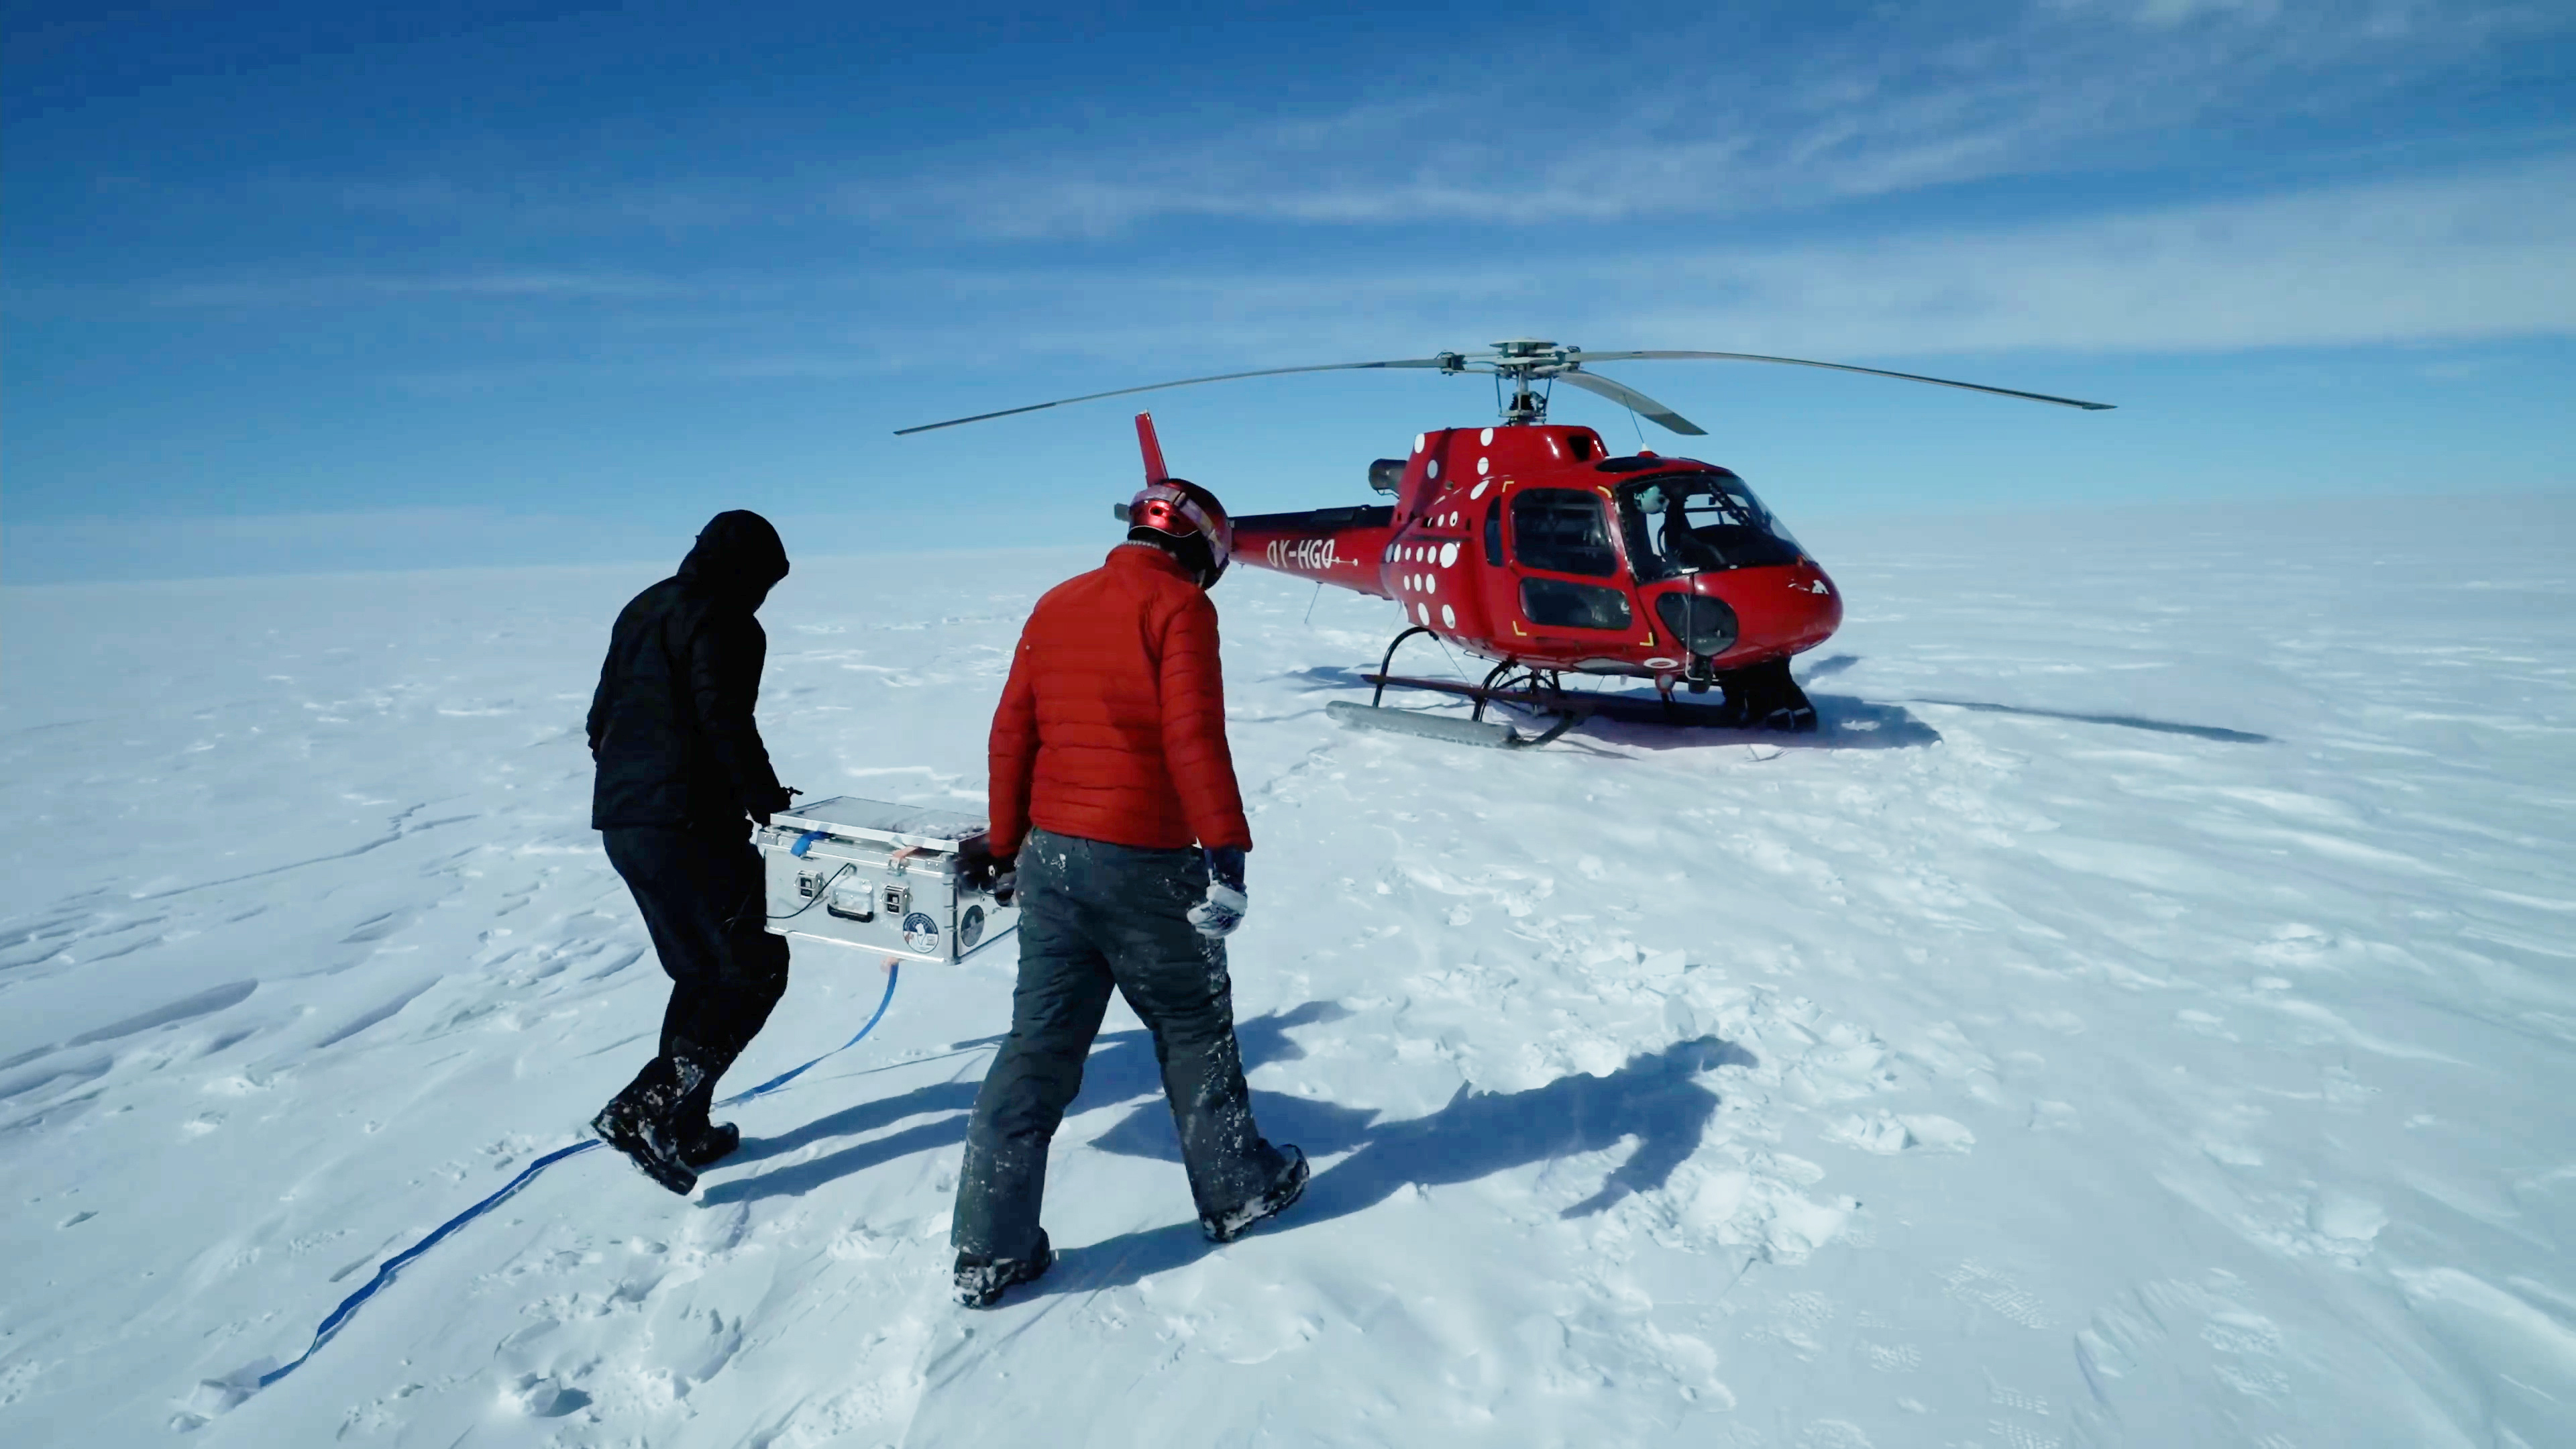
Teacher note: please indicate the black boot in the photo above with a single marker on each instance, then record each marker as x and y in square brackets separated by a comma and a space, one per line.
[982, 1280]
[642, 1121]
[703, 1144]
[1273, 1200]
[707, 1143]
[1766, 697]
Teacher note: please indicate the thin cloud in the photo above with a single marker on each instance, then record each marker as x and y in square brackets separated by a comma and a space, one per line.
[553, 204]
[1913, 108]
[337, 291]
[2450, 260]
[2454, 259]
[1912, 102]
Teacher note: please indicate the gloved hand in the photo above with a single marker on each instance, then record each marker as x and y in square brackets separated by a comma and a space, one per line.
[978, 867]
[1224, 908]
[784, 800]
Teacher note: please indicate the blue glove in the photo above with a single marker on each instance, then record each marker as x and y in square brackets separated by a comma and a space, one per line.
[1223, 910]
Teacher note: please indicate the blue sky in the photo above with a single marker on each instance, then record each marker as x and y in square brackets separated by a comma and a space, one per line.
[290, 287]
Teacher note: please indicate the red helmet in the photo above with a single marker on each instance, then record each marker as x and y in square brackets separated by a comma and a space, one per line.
[1189, 515]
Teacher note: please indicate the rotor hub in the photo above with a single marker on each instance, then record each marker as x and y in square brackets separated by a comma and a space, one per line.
[1521, 361]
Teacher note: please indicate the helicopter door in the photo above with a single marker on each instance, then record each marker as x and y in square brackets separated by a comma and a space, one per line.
[1566, 531]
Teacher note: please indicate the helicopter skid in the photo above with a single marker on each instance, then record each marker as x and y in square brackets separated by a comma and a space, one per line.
[1491, 734]
[1782, 714]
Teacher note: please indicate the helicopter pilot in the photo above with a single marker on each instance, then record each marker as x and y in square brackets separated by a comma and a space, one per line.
[1678, 548]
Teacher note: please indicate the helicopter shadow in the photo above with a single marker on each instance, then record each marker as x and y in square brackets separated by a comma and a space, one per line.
[1120, 1069]
[1635, 717]
[2123, 721]
[1326, 676]
[1843, 722]
[1655, 1098]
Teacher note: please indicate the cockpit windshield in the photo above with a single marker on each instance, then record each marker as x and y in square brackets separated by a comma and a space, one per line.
[1687, 523]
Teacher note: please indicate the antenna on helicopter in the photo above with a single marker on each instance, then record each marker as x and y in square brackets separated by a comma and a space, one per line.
[1521, 361]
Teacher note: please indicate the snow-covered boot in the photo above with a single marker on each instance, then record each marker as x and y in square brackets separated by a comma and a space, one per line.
[1273, 1200]
[982, 1279]
[704, 1145]
[642, 1121]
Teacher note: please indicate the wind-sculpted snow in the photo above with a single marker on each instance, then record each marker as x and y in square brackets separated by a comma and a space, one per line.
[2142, 1014]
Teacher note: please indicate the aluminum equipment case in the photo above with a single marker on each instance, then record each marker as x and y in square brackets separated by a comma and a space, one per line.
[879, 877]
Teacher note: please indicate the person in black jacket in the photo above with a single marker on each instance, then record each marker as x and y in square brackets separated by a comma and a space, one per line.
[681, 767]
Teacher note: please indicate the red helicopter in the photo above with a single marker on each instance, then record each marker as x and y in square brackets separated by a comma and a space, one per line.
[1530, 545]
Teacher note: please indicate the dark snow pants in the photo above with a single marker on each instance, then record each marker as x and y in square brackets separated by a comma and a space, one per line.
[704, 899]
[1094, 916]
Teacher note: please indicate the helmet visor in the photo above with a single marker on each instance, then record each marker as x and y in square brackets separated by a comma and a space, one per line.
[1171, 510]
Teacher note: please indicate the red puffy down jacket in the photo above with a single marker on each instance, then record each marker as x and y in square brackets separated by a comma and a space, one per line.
[1113, 724]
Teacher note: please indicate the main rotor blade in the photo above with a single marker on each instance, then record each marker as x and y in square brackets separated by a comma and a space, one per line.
[1629, 397]
[1588, 358]
[1183, 382]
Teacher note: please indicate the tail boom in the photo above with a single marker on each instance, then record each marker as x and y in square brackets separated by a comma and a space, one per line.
[1345, 547]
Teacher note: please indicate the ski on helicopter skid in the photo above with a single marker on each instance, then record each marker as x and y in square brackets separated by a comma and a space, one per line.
[1529, 545]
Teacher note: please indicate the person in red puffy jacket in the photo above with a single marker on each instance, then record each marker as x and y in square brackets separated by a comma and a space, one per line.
[1113, 788]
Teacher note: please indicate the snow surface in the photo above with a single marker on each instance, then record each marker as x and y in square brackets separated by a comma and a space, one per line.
[2143, 1015]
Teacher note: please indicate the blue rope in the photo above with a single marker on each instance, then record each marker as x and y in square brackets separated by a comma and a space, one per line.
[893, 971]
[384, 1275]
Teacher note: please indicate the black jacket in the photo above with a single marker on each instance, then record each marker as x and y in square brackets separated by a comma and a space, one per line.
[671, 724]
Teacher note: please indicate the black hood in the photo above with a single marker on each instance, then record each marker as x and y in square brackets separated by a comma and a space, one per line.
[738, 555]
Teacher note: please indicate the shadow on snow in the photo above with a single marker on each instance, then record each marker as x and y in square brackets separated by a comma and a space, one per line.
[1121, 1069]
[1630, 717]
[1840, 662]
[1844, 722]
[1656, 1098]
[2124, 721]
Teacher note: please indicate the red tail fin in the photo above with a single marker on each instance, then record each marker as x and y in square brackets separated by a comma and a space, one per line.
[1155, 472]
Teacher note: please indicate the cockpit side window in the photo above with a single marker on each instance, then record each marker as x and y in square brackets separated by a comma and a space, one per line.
[1562, 530]
[1684, 523]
